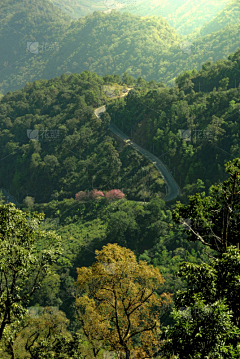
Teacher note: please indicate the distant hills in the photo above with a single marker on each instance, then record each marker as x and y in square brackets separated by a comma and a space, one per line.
[184, 15]
[193, 14]
[23, 22]
[38, 41]
[230, 15]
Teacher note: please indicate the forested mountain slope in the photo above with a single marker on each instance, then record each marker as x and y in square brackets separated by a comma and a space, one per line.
[104, 43]
[211, 114]
[184, 15]
[58, 146]
[53, 146]
[193, 14]
[228, 16]
[22, 23]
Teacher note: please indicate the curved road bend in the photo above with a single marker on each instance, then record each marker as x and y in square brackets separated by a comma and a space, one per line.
[173, 187]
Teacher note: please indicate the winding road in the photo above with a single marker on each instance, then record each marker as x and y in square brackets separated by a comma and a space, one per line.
[173, 187]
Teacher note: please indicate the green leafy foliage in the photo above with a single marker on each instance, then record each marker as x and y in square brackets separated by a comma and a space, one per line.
[80, 156]
[219, 212]
[182, 15]
[156, 114]
[212, 325]
[106, 43]
[25, 259]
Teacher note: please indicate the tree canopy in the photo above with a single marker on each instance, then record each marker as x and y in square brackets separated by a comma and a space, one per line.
[119, 303]
[26, 254]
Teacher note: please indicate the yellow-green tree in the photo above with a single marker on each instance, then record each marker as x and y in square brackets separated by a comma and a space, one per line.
[117, 303]
[19, 340]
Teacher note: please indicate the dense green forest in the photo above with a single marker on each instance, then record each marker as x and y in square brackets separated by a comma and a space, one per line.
[69, 149]
[229, 15]
[94, 261]
[103, 43]
[178, 13]
[207, 280]
[148, 229]
[156, 115]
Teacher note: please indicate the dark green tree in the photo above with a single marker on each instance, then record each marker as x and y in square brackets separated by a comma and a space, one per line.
[213, 290]
[214, 220]
[127, 79]
[106, 119]
[26, 255]
[62, 348]
[206, 315]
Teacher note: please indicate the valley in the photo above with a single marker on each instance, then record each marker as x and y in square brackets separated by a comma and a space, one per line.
[119, 179]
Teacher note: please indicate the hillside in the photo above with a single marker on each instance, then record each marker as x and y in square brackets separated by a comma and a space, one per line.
[22, 23]
[206, 103]
[110, 43]
[58, 147]
[193, 14]
[105, 43]
[53, 168]
[228, 16]
[55, 151]
[184, 15]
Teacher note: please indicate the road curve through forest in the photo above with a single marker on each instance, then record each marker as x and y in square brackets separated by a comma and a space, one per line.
[173, 187]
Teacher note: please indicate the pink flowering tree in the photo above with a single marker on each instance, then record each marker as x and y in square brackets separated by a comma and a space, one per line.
[114, 194]
[95, 194]
[81, 196]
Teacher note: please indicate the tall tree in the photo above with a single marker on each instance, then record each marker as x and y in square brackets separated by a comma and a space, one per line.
[40, 324]
[118, 305]
[207, 315]
[26, 254]
[214, 220]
